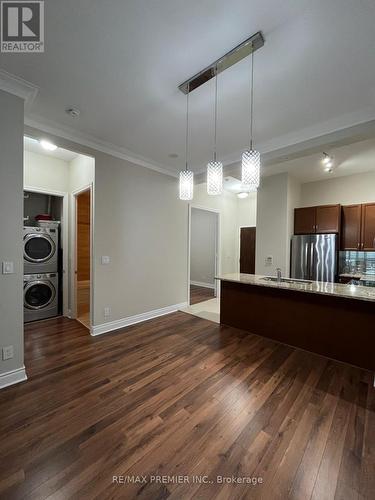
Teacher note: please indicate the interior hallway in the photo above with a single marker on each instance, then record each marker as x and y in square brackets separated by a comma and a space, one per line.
[200, 294]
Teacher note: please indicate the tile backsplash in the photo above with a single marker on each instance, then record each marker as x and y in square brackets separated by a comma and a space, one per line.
[357, 262]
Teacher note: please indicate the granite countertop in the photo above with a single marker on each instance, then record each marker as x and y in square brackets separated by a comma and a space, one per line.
[317, 287]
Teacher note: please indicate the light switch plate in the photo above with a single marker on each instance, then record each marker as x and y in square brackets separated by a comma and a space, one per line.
[105, 259]
[8, 267]
[8, 352]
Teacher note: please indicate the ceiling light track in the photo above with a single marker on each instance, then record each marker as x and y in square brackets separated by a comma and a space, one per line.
[232, 57]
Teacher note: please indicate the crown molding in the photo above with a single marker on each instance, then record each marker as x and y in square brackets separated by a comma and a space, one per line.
[92, 142]
[18, 86]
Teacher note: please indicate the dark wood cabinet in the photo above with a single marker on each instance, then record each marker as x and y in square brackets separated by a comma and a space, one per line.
[358, 227]
[322, 219]
[368, 226]
[351, 227]
[304, 220]
[328, 219]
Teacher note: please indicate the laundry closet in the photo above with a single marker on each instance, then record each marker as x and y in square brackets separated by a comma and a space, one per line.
[56, 241]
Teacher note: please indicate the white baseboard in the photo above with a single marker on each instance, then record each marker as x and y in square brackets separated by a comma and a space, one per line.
[132, 320]
[12, 377]
[204, 285]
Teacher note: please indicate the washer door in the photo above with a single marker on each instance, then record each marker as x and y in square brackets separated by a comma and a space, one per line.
[38, 294]
[38, 248]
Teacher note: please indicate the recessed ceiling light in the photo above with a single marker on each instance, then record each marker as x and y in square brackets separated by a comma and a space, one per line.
[73, 112]
[49, 146]
[244, 194]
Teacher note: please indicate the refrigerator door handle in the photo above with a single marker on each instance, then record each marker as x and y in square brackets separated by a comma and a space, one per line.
[311, 261]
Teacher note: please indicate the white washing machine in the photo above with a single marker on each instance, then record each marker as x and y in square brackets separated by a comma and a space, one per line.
[40, 250]
[40, 296]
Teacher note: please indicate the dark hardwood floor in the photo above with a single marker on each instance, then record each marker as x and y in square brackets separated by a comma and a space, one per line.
[182, 395]
[200, 294]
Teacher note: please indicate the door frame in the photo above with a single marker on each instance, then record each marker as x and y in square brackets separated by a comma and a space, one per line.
[217, 244]
[239, 245]
[64, 240]
[73, 273]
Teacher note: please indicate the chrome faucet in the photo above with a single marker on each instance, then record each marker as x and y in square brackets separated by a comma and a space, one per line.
[278, 275]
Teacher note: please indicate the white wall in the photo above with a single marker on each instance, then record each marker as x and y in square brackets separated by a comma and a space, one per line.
[11, 208]
[346, 190]
[203, 246]
[142, 225]
[278, 195]
[45, 172]
[81, 172]
[247, 211]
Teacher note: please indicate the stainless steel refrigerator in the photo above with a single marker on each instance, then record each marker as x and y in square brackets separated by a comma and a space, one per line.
[314, 257]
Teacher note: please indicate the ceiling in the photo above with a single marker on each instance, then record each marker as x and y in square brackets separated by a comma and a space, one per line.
[120, 63]
[352, 159]
[34, 146]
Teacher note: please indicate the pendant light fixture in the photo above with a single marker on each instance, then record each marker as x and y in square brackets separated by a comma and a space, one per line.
[250, 168]
[186, 176]
[214, 167]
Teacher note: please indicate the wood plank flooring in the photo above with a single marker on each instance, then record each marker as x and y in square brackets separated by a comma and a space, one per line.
[180, 395]
[200, 294]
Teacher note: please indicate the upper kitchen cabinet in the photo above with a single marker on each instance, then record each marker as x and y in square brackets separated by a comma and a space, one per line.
[358, 227]
[351, 227]
[368, 227]
[328, 219]
[304, 220]
[322, 219]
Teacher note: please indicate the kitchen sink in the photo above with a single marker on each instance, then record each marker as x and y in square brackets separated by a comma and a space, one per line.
[286, 280]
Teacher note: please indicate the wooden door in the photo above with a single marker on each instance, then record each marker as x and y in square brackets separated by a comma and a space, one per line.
[304, 220]
[368, 226]
[83, 236]
[83, 205]
[328, 219]
[247, 250]
[351, 227]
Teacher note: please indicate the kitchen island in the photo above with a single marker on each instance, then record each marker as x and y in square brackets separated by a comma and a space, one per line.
[331, 319]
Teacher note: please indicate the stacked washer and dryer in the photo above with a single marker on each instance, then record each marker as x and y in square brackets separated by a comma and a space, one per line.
[41, 278]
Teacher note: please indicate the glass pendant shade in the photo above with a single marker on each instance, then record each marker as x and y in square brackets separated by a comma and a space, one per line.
[186, 185]
[214, 177]
[250, 176]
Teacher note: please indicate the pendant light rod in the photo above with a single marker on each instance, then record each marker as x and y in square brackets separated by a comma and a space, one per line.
[252, 101]
[232, 57]
[215, 117]
[187, 133]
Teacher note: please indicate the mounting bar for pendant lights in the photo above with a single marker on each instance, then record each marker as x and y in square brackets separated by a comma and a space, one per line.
[236, 55]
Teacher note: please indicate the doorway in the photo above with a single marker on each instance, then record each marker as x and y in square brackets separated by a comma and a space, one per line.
[83, 257]
[247, 250]
[203, 255]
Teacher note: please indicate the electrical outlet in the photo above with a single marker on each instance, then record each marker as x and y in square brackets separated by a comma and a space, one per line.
[107, 312]
[8, 352]
[105, 259]
[8, 268]
[268, 261]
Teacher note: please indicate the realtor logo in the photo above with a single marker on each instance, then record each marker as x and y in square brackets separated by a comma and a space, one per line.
[22, 26]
